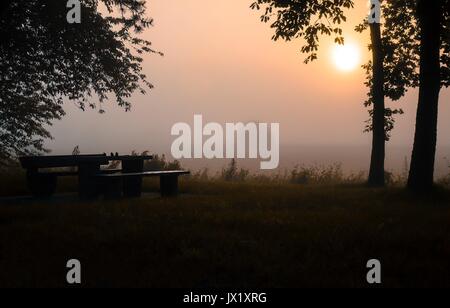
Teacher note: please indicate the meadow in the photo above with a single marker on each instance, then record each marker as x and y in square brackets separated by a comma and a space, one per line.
[219, 233]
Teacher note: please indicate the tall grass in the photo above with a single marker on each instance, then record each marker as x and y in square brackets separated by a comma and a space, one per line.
[13, 180]
[301, 174]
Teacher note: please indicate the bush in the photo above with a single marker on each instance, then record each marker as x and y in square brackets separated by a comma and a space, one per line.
[232, 173]
[317, 175]
[159, 163]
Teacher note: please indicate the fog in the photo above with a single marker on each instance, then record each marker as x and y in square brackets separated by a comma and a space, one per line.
[220, 62]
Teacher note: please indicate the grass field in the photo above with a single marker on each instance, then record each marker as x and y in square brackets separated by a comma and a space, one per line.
[221, 234]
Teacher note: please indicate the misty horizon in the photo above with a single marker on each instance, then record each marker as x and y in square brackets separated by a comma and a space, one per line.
[233, 72]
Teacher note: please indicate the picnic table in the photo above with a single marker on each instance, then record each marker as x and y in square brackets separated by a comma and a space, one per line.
[92, 179]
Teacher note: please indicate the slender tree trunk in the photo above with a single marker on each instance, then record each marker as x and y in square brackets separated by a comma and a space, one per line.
[376, 174]
[421, 174]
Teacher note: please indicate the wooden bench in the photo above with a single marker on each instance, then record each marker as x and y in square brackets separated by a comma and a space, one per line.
[111, 184]
[42, 183]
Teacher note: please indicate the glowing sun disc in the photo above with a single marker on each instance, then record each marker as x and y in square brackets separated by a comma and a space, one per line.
[346, 57]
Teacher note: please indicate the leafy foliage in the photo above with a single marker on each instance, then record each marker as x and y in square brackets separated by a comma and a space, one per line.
[401, 57]
[445, 41]
[401, 44]
[307, 19]
[44, 60]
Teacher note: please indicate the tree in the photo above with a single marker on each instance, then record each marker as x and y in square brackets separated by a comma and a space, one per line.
[310, 18]
[376, 171]
[433, 20]
[390, 74]
[45, 60]
[417, 41]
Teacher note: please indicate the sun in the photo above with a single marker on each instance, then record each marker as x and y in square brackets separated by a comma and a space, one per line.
[346, 57]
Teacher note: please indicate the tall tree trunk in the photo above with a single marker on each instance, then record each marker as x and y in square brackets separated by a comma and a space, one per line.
[421, 174]
[376, 174]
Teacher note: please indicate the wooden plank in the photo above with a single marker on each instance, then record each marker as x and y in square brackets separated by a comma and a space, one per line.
[60, 173]
[74, 160]
[62, 160]
[130, 157]
[75, 173]
[147, 173]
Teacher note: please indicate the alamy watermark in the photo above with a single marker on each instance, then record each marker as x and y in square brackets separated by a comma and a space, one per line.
[74, 273]
[375, 12]
[374, 273]
[236, 140]
[74, 14]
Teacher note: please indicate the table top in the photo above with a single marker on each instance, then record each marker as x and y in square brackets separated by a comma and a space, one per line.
[130, 157]
[75, 160]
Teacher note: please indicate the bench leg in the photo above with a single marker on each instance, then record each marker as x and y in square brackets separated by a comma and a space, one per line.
[169, 185]
[112, 187]
[41, 185]
[132, 186]
[88, 186]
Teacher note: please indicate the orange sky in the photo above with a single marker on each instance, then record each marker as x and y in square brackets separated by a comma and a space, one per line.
[220, 62]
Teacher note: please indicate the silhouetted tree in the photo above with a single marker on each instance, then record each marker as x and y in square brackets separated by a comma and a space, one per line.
[416, 38]
[434, 24]
[392, 70]
[377, 160]
[44, 60]
[307, 19]
[390, 73]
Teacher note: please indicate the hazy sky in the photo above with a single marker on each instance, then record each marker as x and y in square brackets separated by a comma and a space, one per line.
[220, 62]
